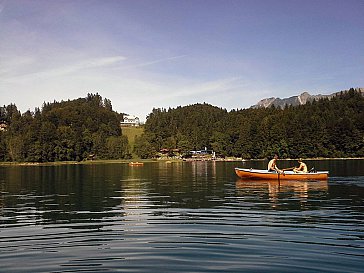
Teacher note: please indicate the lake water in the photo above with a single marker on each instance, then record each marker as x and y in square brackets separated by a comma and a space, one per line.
[180, 217]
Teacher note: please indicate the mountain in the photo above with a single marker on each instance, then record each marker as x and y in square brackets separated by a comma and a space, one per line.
[296, 100]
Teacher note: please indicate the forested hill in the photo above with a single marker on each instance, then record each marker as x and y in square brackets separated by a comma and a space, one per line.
[59, 131]
[88, 127]
[323, 128]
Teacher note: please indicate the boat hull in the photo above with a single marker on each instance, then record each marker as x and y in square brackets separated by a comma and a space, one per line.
[287, 175]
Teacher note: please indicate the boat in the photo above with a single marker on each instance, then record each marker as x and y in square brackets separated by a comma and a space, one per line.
[285, 175]
[136, 163]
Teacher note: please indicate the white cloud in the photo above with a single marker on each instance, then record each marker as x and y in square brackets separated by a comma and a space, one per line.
[156, 61]
[206, 88]
[61, 70]
[142, 95]
[12, 65]
[130, 87]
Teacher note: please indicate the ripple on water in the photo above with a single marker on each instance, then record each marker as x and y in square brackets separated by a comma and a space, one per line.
[161, 223]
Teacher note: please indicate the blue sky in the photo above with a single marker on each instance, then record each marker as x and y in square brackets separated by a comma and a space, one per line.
[165, 53]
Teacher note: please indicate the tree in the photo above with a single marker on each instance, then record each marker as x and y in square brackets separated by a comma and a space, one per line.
[321, 128]
[117, 147]
[66, 130]
[143, 146]
[220, 143]
[74, 129]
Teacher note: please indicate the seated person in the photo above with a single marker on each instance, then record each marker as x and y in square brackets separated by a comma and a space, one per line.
[302, 168]
[272, 165]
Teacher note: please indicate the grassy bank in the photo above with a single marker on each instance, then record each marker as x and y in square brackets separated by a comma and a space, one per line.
[131, 133]
[126, 161]
[86, 162]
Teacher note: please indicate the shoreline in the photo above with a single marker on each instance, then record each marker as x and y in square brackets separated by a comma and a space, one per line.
[127, 161]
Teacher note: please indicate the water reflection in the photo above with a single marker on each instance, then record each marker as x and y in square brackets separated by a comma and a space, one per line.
[184, 184]
[279, 192]
[176, 217]
[55, 194]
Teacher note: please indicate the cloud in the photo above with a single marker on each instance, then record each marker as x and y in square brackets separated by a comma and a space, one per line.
[156, 61]
[13, 65]
[2, 6]
[13, 68]
[87, 64]
[62, 70]
[207, 88]
[145, 94]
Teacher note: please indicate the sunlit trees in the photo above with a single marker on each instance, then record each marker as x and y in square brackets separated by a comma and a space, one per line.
[62, 131]
[76, 129]
[324, 128]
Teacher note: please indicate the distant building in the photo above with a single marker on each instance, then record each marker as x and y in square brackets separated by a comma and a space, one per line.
[201, 155]
[130, 121]
[202, 152]
[3, 126]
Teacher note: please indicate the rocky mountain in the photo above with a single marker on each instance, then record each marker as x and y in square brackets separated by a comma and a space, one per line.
[296, 100]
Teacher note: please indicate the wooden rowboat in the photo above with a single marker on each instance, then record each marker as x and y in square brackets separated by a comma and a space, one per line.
[286, 175]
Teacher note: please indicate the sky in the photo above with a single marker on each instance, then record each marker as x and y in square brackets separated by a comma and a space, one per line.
[145, 54]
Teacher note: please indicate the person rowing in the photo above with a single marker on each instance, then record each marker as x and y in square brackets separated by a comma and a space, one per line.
[272, 165]
[302, 168]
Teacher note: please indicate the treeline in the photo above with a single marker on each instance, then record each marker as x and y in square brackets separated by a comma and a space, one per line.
[324, 128]
[62, 131]
[89, 128]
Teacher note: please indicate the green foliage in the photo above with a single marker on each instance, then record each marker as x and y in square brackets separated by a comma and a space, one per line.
[67, 130]
[192, 125]
[143, 146]
[325, 128]
[117, 147]
[76, 129]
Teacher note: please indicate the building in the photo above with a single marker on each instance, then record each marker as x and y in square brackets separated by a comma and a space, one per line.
[203, 154]
[130, 121]
[3, 126]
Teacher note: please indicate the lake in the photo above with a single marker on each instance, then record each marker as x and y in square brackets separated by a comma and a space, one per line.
[180, 217]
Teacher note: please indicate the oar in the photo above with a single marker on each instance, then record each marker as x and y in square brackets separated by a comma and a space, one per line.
[288, 169]
[279, 180]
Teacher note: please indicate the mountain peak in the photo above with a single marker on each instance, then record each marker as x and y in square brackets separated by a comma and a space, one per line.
[296, 100]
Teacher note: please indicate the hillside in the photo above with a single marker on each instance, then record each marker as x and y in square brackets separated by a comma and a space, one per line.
[79, 129]
[132, 133]
[88, 128]
[324, 128]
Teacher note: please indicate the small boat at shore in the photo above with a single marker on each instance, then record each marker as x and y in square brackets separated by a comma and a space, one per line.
[136, 163]
[286, 175]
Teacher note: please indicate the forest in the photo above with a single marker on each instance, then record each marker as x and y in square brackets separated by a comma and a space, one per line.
[88, 128]
[324, 128]
[72, 130]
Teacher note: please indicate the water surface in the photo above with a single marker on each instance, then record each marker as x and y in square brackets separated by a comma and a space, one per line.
[180, 217]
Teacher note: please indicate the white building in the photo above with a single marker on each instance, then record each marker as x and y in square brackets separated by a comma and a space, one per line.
[130, 121]
[3, 126]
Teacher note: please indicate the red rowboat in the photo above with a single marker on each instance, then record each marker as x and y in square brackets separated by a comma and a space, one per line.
[286, 175]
